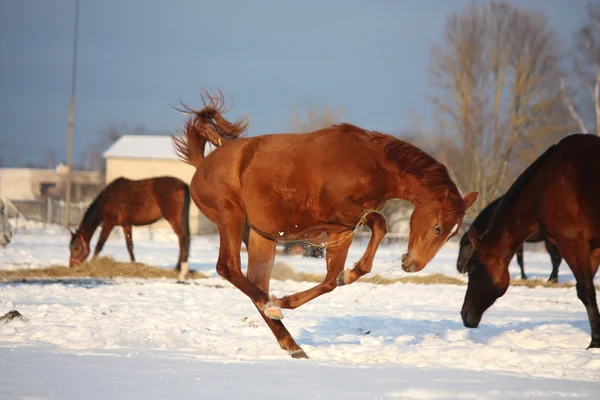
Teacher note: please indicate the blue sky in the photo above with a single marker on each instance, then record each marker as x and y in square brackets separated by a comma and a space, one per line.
[138, 56]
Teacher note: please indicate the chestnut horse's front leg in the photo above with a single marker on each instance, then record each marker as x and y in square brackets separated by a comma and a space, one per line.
[378, 226]
[336, 253]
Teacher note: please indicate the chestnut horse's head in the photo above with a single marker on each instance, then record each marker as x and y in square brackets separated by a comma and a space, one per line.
[488, 280]
[432, 224]
[79, 248]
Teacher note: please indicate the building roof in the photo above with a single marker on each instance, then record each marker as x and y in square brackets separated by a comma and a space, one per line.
[142, 146]
[158, 147]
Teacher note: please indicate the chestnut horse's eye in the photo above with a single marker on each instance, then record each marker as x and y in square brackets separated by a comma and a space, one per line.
[437, 230]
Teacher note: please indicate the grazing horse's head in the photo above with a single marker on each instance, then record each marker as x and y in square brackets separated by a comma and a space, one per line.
[488, 280]
[432, 224]
[79, 249]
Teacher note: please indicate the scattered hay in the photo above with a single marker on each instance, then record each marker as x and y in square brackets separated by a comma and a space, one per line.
[434, 279]
[102, 267]
[108, 268]
[282, 271]
[533, 283]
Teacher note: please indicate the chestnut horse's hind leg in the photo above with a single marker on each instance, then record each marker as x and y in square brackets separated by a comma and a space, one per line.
[378, 226]
[580, 259]
[261, 253]
[106, 229]
[129, 241]
[335, 255]
[231, 226]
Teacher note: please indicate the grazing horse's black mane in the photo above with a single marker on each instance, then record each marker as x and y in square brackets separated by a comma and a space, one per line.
[509, 198]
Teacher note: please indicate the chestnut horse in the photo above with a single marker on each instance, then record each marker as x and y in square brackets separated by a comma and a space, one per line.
[480, 224]
[558, 194]
[128, 203]
[298, 186]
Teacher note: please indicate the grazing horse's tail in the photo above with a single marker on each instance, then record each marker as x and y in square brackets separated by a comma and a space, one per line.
[206, 125]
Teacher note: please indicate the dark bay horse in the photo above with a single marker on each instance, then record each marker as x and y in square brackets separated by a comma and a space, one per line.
[128, 203]
[298, 186]
[480, 224]
[559, 194]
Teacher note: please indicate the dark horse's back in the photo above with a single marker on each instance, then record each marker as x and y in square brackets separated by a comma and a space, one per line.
[145, 201]
[576, 181]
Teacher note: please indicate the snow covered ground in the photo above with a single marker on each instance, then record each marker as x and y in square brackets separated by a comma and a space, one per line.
[135, 339]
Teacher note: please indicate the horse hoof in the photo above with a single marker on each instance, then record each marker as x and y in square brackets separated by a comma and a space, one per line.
[298, 354]
[595, 344]
[341, 279]
[272, 310]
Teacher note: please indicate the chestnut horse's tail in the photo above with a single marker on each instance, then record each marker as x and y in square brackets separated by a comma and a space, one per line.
[206, 125]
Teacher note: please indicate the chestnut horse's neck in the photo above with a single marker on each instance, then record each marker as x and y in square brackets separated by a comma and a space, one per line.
[514, 219]
[91, 220]
[418, 177]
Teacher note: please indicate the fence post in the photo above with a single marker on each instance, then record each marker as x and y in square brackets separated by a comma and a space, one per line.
[49, 210]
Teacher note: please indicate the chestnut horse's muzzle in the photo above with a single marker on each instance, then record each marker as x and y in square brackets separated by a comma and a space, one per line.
[409, 265]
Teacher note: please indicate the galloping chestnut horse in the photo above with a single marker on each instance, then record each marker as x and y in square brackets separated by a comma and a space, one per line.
[298, 186]
[558, 194]
[128, 203]
[481, 222]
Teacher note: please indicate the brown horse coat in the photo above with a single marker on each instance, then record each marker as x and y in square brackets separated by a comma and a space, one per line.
[125, 202]
[558, 194]
[298, 186]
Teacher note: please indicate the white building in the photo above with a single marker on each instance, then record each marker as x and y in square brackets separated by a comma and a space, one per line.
[148, 156]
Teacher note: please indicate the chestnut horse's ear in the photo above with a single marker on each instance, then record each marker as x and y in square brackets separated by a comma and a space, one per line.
[473, 237]
[470, 199]
[71, 232]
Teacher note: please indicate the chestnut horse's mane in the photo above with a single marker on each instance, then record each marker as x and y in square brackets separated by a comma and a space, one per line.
[414, 161]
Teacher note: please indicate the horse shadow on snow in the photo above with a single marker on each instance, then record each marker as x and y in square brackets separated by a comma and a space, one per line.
[411, 332]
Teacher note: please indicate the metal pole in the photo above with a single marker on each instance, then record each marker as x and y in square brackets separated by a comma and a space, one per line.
[71, 117]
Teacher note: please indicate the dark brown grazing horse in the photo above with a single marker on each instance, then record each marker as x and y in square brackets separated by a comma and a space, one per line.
[297, 186]
[128, 203]
[559, 194]
[480, 224]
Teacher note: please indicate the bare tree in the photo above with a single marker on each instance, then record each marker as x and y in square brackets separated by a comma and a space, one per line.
[585, 108]
[50, 159]
[315, 118]
[497, 94]
[92, 155]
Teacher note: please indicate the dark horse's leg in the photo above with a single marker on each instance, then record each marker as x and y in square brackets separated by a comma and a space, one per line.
[129, 241]
[556, 259]
[106, 229]
[378, 226]
[183, 235]
[584, 264]
[335, 254]
[520, 261]
[261, 253]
